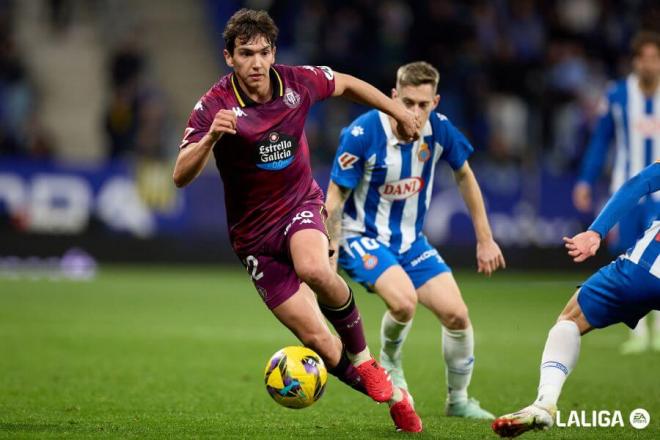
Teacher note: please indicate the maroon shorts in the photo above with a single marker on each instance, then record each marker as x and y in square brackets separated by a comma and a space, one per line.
[271, 266]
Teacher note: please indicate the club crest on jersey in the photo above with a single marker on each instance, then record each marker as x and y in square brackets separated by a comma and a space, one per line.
[276, 152]
[424, 152]
[291, 98]
[401, 189]
[369, 261]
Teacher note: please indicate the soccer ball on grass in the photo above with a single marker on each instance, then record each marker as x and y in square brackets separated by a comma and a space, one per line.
[295, 377]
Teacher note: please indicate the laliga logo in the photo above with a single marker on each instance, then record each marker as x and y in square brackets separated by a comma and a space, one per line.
[401, 189]
[639, 419]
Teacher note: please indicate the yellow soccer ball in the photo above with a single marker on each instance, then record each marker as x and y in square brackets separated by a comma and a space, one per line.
[295, 377]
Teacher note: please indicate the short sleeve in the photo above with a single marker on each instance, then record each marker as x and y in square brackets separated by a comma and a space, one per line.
[198, 124]
[456, 147]
[348, 165]
[319, 80]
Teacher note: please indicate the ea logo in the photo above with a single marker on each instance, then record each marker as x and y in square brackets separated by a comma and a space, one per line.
[639, 418]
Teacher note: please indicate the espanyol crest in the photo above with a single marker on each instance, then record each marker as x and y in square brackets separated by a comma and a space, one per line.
[291, 98]
[424, 152]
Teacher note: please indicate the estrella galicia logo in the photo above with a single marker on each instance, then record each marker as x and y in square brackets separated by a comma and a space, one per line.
[276, 152]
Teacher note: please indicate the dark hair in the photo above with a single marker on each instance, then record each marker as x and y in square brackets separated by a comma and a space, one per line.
[247, 24]
[642, 39]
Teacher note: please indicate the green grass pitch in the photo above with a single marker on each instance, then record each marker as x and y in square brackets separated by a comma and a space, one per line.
[170, 352]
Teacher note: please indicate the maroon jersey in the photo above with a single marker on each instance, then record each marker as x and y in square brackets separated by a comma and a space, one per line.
[265, 167]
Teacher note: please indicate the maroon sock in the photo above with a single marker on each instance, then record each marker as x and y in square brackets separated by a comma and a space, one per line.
[347, 322]
[346, 372]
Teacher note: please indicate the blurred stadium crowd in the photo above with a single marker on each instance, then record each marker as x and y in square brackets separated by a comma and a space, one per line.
[133, 116]
[521, 77]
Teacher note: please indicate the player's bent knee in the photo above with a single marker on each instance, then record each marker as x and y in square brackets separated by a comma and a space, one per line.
[456, 319]
[579, 319]
[404, 310]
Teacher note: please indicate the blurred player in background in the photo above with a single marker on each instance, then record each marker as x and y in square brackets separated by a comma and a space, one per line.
[623, 291]
[252, 121]
[631, 118]
[377, 199]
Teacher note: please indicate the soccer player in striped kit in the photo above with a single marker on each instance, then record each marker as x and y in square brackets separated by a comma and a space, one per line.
[377, 199]
[630, 117]
[623, 291]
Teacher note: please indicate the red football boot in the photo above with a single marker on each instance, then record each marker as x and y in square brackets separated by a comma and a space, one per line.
[404, 415]
[375, 380]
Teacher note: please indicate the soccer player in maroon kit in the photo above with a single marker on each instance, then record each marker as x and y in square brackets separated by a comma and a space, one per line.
[252, 120]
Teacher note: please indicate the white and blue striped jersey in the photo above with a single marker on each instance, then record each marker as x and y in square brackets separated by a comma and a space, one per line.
[392, 182]
[646, 251]
[632, 120]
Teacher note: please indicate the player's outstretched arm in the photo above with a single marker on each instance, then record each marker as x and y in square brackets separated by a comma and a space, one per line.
[586, 244]
[334, 202]
[489, 254]
[408, 126]
[193, 158]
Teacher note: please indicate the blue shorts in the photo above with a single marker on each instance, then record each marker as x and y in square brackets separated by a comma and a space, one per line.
[365, 260]
[622, 291]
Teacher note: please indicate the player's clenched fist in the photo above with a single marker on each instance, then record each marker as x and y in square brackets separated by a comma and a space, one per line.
[223, 122]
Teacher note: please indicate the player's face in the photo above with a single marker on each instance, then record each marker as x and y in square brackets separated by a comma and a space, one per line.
[251, 62]
[647, 63]
[421, 100]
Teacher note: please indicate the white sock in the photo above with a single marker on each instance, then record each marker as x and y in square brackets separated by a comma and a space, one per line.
[458, 351]
[560, 356]
[393, 334]
[397, 396]
[359, 358]
[656, 322]
[642, 329]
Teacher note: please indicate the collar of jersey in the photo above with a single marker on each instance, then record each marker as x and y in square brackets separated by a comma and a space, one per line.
[245, 101]
[389, 134]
